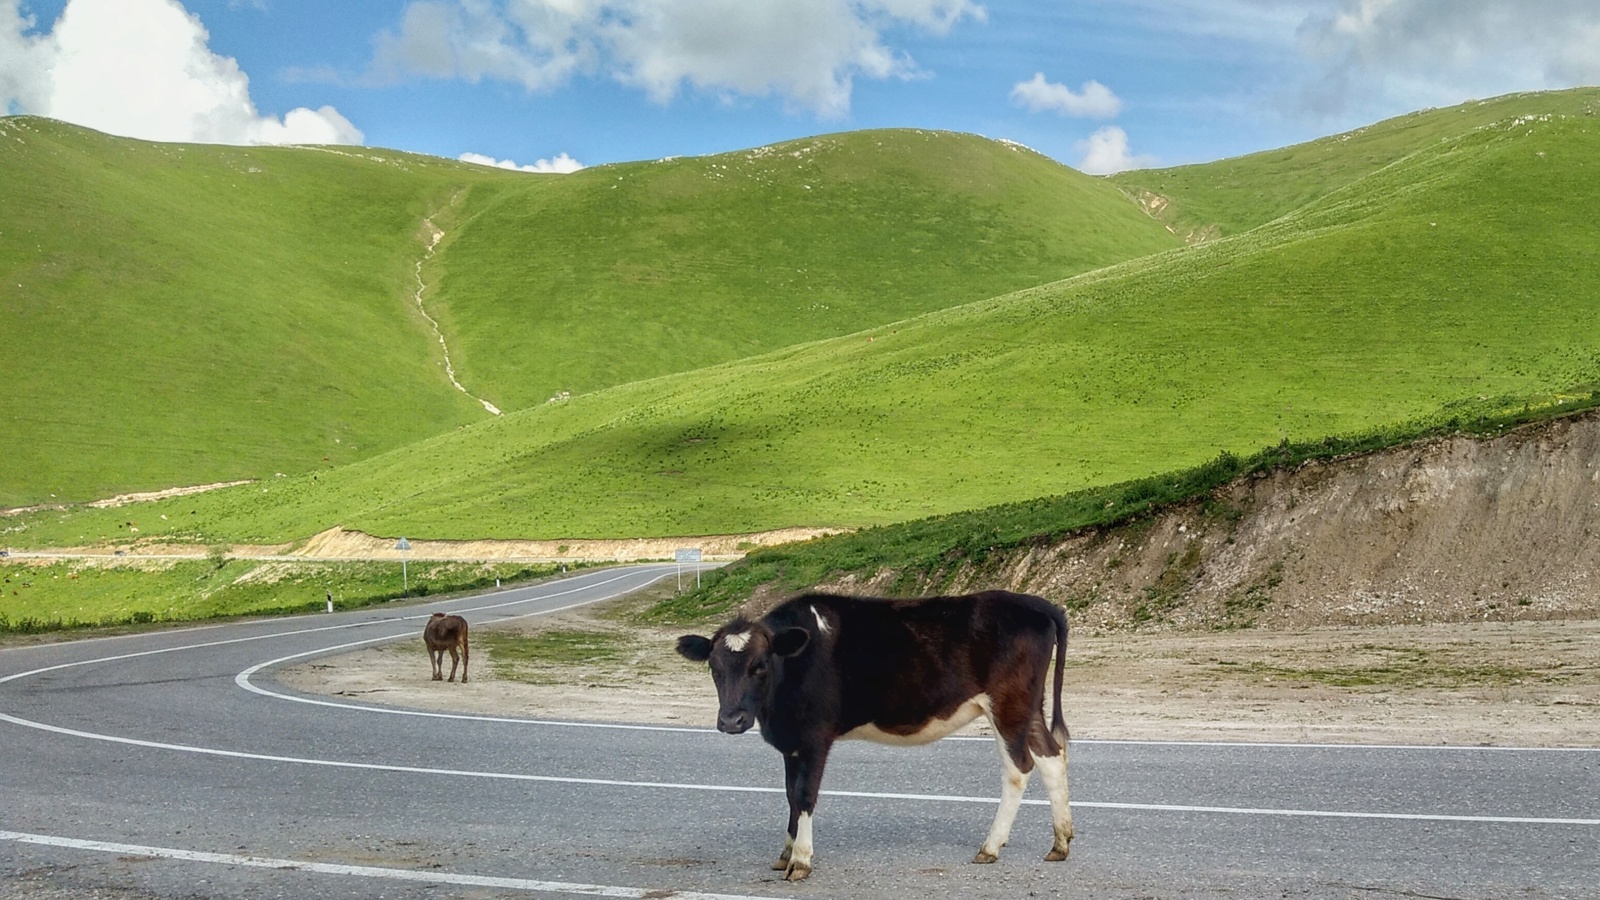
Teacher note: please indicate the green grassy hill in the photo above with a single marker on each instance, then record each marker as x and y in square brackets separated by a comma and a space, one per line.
[625, 272]
[1467, 269]
[180, 314]
[1232, 196]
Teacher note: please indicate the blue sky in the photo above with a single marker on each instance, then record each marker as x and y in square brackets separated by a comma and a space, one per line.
[1097, 84]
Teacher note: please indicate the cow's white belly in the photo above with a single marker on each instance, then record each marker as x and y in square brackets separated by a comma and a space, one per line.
[932, 731]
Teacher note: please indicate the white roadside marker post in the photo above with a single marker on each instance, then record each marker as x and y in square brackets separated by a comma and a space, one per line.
[405, 580]
[687, 555]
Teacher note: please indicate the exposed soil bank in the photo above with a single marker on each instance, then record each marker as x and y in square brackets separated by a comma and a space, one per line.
[1451, 530]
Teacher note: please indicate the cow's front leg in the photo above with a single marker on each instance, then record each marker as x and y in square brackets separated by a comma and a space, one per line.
[803, 779]
[790, 767]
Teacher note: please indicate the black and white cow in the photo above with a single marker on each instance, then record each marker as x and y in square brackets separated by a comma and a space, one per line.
[820, 668]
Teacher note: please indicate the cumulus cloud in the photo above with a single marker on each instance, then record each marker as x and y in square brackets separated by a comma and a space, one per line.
[1095, 101]
[1106, 152]
[1422, 52]
[807, 52]
[143, 68]
[22, 58]
[562, 164]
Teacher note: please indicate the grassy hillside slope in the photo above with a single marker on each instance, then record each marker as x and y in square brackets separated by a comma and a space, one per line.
[1232, 196]
[177, 314]
[183, 314]
[1466, 270]
[625, 272]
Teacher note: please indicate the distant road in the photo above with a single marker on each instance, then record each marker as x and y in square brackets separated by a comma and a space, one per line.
[290, 558]
[169, 764]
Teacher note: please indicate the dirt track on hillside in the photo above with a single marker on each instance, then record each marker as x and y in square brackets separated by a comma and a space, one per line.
[339, 543]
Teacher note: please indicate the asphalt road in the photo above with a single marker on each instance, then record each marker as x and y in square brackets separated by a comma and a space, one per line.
[169, 764]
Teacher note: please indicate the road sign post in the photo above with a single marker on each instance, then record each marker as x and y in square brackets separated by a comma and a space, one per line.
[405, 580]
[687, 555]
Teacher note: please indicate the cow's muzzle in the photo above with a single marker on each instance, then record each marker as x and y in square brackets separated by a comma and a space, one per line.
[735, 723]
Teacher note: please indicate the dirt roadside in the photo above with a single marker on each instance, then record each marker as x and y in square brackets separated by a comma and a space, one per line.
[1530, 684]
[338, 543]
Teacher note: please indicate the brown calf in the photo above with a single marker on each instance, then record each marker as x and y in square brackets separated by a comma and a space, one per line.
[446, 633]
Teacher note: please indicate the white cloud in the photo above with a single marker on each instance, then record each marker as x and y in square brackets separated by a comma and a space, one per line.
[1427, 53]
[1346, 62]
[143, 68]
[1095, 102]
[562, 164]
[807, 52]
[22, 59]
[1106, 151]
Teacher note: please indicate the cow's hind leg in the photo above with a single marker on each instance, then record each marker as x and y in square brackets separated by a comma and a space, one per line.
[1015, 763]
[437, 658]
[455, 660]
[1050, 756]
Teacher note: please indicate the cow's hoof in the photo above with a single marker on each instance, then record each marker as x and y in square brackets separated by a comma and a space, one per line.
[782, 864]
[986, 857]
[1056, 854]
[463, 679]
[438, 678]
[796, 872]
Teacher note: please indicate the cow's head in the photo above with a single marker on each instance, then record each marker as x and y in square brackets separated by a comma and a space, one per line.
[742, 655]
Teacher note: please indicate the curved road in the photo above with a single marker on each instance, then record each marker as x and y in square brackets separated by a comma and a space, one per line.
[169, 764]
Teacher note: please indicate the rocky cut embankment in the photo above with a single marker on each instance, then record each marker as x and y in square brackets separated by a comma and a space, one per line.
[1451, 530]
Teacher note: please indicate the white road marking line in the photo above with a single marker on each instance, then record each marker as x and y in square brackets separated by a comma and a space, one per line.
[374, 767]
[118, 658]
[1332, 814]
[251, 686]
[265, 862]
[1289, 745]
[744, 789]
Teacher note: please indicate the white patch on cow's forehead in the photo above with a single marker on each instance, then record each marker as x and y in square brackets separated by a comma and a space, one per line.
[736, 642]
[821, 622]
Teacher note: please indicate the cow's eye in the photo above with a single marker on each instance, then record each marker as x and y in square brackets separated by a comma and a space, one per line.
[759, 668]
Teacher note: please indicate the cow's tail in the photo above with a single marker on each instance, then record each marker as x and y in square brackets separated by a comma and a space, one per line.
[1058, 724]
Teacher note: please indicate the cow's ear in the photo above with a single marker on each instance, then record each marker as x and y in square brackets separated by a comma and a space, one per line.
[790, 641]
[694, 648]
